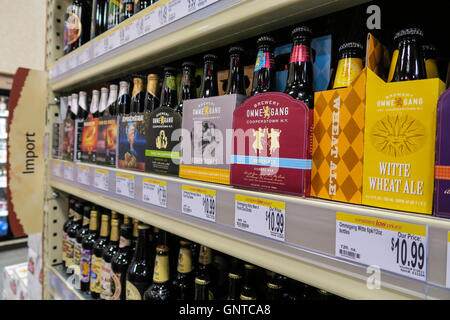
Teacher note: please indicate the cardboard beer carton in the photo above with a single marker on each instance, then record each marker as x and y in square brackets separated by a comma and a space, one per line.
[107, 141]
[400, 143]
[338, 135]
[207, 134]
[132, 141]
[89, 136]
[68, 140]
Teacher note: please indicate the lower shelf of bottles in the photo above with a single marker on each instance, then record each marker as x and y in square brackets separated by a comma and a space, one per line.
[306, 252]
[60, 287]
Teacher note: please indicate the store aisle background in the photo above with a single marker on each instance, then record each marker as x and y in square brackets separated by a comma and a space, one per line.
[9, 257]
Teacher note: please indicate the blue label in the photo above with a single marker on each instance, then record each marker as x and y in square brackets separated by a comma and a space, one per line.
[260, 61]
[302, 164]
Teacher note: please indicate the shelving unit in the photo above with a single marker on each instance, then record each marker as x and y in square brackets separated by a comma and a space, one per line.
[308, 252]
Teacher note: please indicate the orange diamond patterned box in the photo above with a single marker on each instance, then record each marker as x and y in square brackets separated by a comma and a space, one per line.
[338, 136]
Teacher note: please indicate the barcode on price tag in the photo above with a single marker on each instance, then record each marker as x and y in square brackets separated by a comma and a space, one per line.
[83, 175]
[125, 185]
[68, 171]
[448, 261]
[199, 202]
[154, 192]
[260, 216]
[56, 167]
[101, 179]
[394, 246]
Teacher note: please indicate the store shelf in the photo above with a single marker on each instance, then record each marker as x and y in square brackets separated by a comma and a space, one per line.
[221, 23]
[308, 253]
[59, 285]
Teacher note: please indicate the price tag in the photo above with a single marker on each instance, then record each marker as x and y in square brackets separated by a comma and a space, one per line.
[85, 55]
[448, 261]
[56, 167]
[101, 179]
[83, 175]
[68, 171]
[199, 202]
[154, 192]
[260, 216]
[394, 246]
[125, 185]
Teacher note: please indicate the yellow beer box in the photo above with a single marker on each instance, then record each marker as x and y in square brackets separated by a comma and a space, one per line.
[400, 143]
[338, 136]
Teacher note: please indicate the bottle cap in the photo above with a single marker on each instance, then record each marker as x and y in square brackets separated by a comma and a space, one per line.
[189, 64]
[82, 94]
[95, 92]
[162, 248]
[273, 286]
[138, 81]
[123, 84]
[234, 276]
[301, 30]
[409, 32]
[113, 87]
[265, 40]
[143, 226]
[201, 282]
[152, 76]
[210, 57]
[249, 266]
[104, 90]
[185, 242]
[351, 45]
[114, 222]
[105, 217]
[236, 50]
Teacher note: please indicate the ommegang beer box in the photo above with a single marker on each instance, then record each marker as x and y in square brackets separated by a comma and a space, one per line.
[400, 143]
[89, 139]
[107, 141]
[271, 147]
[207, 134]
[68, 140]
[442, 169]
[338, 135]
[160, 154]
[132, 132]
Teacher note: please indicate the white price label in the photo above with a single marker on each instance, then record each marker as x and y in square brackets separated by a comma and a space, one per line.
[154, 192]
[85, 55]
[56, 167]
[83, 175]
[394, 246]
[199, 202]
[448, 261]
[125, 185]
[101, 179]
[260, 216]
[68, 171]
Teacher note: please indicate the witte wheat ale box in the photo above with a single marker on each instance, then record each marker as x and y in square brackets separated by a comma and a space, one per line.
[400, 142]
[442, 169]
[107, 141]
[272, 144]
[207, 137]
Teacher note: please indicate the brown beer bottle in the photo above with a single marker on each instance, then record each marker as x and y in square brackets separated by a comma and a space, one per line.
[169, 89]
[97, 257]
[182, 285]
[187, 88]
[151, 96]
[209, 87]
[160, 288]
[235, 84]
[86, 251]
[138, 96]
[108, 254]
[248, 291]
[264, 74]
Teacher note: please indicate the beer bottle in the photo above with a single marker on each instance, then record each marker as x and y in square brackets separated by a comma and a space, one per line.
[410, 63]
[66, 227]
[300, 73]
[187, 87]
[264, 75]
[350, 64]
[123, 102]
[151, 99]
[121, 261]
[99, 21]
[248, 291]
[97, 258]
[219, 276]
[209, 87]
[82, 106]
[204, 271]
[69, 113]
[142, 5]
[112, 108]
[72, 233]
[126, 9]
[82, 232]
[93, 110]
[202, 289]
[139, 274]
[108, 254]
[182, 285]
[169, 89]
[86, 251]
[429, 55]
[160, 288]
[113, 13]
[274, 287]
[195, 250]
[235, 84]
[138, 96]
[103, 103]
[74, 113]
[234, 280]
[135, 235]
[77, 25]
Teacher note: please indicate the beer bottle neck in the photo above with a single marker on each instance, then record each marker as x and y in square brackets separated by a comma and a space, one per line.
[187, 88]
[142, 252]
[95, 102]
[236, 76]
[233, 286]
[300, 65]
[104, 228]
[410, 62]
[138, 86]
[93, 226]
[114, 231]
[169, 92]
[161, 269]
[152, 85]
[209, 84]
[184, 260]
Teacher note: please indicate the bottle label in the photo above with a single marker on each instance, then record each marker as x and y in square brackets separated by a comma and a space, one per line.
[124, 242]
[171, 83]
[106, 292]
[301, 53]
[116, 286]
[69, 252]
[132, 293]
[393, 65]
[85, 265]
[72, 31]
[85, 221]
[347, 71]
[77, 254]
[161, 269]
[205, 255]
[264, 60]
[151, 87]
[96, 270]
[184, 261]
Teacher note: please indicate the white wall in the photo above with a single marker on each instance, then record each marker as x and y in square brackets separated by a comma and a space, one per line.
[22, 34]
